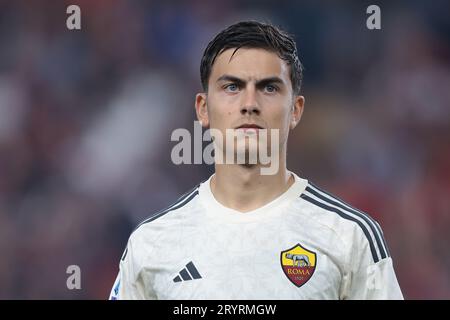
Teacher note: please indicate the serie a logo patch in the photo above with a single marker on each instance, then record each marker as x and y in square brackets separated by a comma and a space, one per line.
[298, 264]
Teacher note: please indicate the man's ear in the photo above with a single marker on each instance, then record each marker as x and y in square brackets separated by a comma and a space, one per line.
[297, 111]
[201, 109]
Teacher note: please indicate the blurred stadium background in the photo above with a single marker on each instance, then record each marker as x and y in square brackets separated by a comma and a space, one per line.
[86, 118]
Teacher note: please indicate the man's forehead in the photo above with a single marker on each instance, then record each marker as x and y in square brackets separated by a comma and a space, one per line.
[249, 64]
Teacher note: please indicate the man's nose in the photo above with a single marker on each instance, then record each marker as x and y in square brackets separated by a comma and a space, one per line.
[250, 104]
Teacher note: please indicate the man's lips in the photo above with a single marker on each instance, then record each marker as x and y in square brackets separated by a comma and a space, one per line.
[249, 126]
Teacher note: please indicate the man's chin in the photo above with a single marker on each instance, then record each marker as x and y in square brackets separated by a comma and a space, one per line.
[249, 156]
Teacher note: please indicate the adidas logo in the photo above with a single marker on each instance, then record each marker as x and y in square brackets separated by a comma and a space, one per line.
[188, 273]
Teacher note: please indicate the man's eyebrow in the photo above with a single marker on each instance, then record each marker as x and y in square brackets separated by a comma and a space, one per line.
[229, 78]
[259, 83]
[270, 80]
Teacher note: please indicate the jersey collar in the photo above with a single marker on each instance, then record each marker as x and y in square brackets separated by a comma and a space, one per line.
[216, 210]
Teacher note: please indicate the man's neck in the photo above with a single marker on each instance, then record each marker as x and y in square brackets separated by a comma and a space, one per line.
[244, 188]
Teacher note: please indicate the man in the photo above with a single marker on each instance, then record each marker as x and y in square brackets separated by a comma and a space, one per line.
[243, 234]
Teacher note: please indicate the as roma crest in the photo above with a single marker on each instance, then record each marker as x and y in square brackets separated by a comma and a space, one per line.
[298, 264]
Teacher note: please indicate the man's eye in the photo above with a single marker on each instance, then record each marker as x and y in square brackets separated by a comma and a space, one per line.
[270, 88]
[232, 87]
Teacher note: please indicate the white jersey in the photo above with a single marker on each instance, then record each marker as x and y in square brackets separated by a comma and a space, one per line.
[305, 244]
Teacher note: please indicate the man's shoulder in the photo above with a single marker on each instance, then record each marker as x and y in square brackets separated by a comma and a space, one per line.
[174, 210]
[345, 218]
[158, 223]
[325, 203]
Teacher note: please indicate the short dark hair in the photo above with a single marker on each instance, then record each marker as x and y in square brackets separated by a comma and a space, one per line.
[253, 34]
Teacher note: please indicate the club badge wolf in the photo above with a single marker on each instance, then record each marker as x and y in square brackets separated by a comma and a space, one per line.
[298, 264]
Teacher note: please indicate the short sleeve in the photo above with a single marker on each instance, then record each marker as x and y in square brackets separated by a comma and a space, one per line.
[129, 284]
[369, 276]
[375, 281]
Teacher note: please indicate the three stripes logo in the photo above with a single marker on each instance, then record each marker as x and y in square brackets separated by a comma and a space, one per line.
[189, 272]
